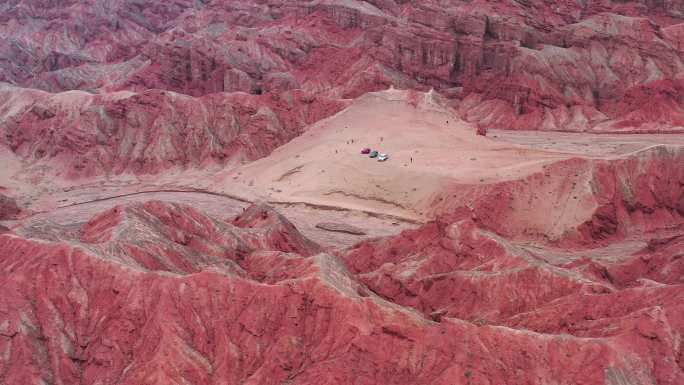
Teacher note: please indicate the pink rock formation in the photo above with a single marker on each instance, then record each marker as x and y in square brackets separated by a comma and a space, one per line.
[153, 130]
[8, 208]
[452, 268]
[510, 64]
[180, 239]
[465, 306]
[581, 201]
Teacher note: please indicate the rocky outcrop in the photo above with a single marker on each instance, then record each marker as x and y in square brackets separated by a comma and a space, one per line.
[654, 107]
[76, 309]
[453, 268]
[80, 134]
[179, 239]
[518, 64]
[8, 208]
[235, 80]
[580, 201]
[275, 229]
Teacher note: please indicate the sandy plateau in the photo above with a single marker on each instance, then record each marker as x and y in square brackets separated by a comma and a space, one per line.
[429, 149]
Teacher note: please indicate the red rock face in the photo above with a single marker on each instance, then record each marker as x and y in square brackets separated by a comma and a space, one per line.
[8, 208]
[655, 106]
[455, 269]
[580, 201]
[573, 65]
[446, 303]
[151, 131]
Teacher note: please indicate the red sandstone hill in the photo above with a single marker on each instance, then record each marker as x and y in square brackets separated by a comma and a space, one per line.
[580, 201]
[86, 134]
[509, 64]
[446, 303]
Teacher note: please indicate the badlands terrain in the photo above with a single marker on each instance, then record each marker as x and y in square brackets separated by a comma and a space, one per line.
[183, 199]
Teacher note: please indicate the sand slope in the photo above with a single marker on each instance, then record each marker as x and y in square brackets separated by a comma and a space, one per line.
[428, 148]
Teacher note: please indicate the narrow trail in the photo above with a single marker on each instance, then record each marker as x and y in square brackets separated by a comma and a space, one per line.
[109, 198]
[379, 215]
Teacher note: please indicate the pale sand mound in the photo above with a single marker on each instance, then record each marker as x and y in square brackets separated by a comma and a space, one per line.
[324, 167]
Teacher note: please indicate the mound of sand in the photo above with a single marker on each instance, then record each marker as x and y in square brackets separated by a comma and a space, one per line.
[427, 145]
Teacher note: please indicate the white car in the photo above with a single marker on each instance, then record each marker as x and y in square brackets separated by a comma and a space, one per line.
[382, 157]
